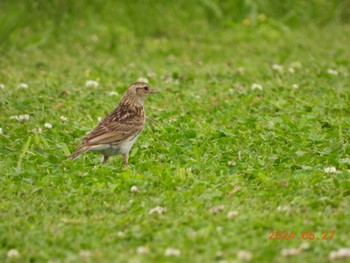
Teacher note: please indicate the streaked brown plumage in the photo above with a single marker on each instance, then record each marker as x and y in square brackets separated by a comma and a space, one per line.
[117, 133]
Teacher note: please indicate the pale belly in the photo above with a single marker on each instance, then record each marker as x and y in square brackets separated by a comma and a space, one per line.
[121, 148]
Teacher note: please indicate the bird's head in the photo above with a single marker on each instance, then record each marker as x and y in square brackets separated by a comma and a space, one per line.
[139, 91]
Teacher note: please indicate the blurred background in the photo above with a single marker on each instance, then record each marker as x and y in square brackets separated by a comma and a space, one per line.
[107, 25]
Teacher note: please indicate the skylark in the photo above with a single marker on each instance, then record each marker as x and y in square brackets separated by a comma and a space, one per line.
[118, 132]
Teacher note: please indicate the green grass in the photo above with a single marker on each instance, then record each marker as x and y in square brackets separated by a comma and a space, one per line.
[213, 134]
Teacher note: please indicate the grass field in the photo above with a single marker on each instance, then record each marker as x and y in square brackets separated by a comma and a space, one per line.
[250, 134]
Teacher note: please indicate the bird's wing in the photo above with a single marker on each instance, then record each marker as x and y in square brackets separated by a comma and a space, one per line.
[113, 132]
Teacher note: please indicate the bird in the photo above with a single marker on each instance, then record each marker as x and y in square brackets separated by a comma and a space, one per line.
[118, 132]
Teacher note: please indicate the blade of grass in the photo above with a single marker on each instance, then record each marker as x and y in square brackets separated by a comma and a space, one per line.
[23, 153]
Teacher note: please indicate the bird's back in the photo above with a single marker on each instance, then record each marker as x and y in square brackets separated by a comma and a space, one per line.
[125, 121]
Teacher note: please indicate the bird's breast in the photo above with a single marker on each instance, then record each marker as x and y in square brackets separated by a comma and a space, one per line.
[122, 147]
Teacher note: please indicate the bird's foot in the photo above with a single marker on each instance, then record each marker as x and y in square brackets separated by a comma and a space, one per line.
[104, 159]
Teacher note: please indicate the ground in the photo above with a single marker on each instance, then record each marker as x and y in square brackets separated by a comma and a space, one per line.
[250, 135]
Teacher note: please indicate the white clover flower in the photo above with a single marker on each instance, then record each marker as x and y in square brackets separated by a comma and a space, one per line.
[63, 118]
[278, 68]
[158, 210]
[113, 93]
[293, 66]
[172, 252]
[217, 209]
[256, 87]
[92, 84]
[0, 130]
[48, 125]
[142, 79]
[85, 254]
[304, 246]
[134, 189]
[283, 208]
[23, 117]
[23, 85]
[330, 170]
[295, 86]
[13, 253]
[219, 254]
[37, 130]
[231, 163]
[244, 255]
[289, 252]
[2, 86]
[120, 234]
[339, 254]
[332, 72]
[151, 74]
[291, 70]
[240, 70]
[232, 214]
[142, 250]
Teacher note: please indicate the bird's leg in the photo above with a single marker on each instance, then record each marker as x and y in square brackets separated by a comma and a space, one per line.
[104, 159]
[125, 160]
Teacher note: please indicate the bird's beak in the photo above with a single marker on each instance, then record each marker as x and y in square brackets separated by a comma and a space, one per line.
[154, 91]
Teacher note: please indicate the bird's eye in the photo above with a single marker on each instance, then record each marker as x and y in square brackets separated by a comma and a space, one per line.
[145, 88]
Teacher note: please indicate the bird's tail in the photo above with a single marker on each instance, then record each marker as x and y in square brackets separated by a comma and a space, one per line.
[77, 153]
